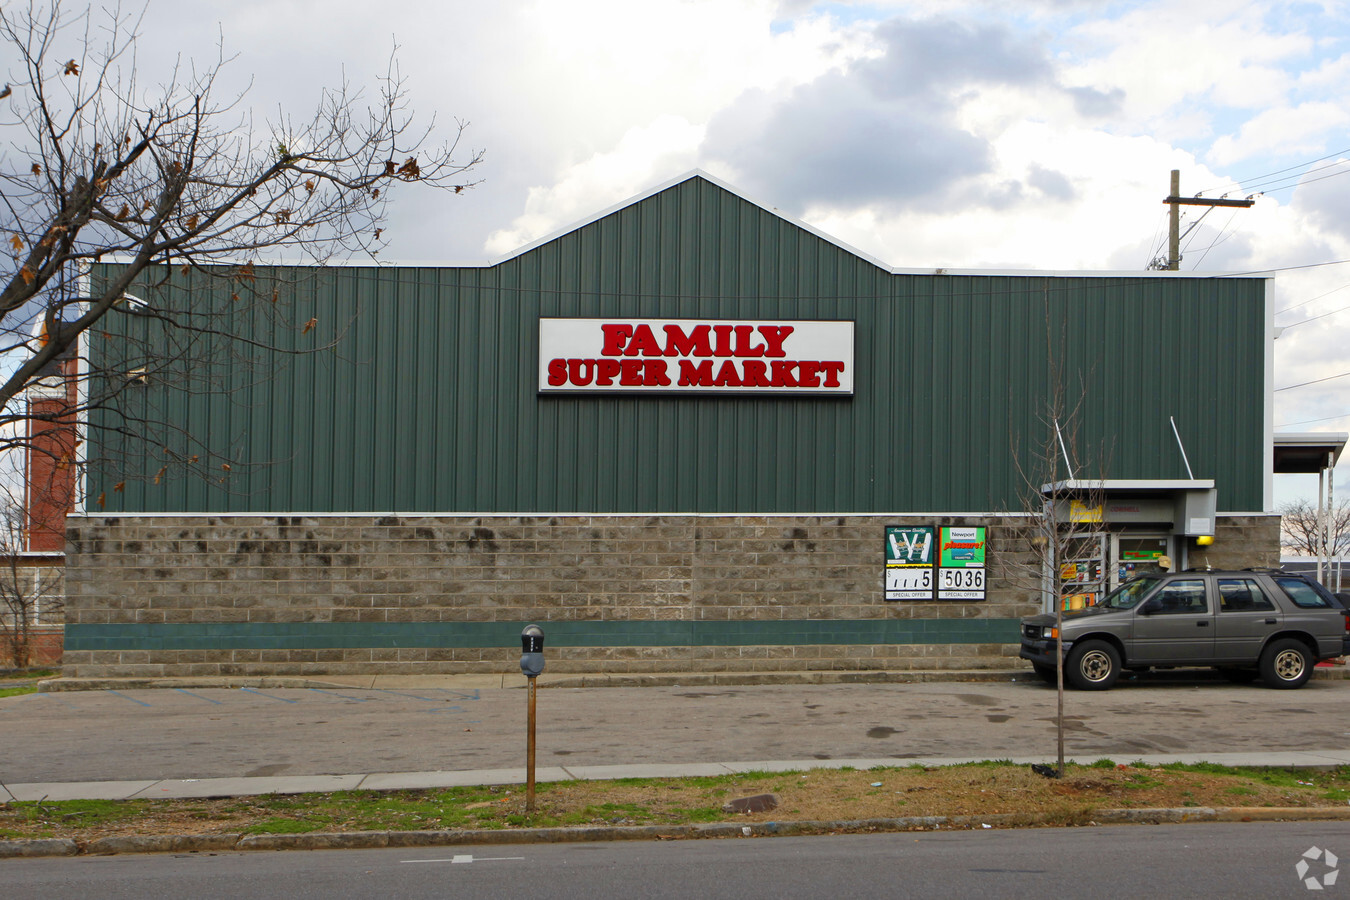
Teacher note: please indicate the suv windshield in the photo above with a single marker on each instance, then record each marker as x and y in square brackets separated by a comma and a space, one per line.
[1128, 595]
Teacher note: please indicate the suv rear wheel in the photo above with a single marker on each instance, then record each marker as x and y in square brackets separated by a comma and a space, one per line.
[1286, 663]
[1092, 666]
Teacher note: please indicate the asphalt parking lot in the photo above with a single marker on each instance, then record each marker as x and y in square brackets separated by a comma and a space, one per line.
[248, 732]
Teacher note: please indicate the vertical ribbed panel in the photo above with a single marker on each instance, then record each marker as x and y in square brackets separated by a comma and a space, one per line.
[427, 401]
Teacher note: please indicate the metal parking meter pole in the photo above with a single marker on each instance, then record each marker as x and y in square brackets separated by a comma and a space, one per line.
[531, 664]
[529, 756]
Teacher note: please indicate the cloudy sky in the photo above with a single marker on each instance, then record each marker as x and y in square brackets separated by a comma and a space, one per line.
[1027, 134]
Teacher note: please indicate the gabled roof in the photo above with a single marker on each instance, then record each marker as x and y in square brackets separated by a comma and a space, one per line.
[848, 248]
[680, 179]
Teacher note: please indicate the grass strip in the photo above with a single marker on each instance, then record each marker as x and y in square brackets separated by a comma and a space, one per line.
[994, 788]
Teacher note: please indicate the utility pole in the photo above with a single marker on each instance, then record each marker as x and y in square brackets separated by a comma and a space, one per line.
[1176, 201]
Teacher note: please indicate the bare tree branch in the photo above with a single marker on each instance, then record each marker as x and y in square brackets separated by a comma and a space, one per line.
[174, 178]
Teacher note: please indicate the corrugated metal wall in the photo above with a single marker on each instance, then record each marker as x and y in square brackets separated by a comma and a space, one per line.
[426, 399]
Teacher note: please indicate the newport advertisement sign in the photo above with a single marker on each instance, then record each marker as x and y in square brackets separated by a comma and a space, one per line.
[695, 356]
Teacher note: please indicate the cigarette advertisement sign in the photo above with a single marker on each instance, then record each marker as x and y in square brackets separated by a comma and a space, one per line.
[961, 564]
[910, 553]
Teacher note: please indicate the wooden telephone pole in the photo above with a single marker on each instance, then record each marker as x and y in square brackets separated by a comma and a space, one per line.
[1176, 201]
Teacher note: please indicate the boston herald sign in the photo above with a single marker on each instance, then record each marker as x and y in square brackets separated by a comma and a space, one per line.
[708, 356]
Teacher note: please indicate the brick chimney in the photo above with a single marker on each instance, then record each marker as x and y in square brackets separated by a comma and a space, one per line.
[50, 470]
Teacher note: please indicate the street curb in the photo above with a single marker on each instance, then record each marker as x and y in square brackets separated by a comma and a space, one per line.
[563, 680]
[601, 679]
[376, 840]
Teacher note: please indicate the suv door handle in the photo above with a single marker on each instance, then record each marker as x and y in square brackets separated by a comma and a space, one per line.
[1203, 623]
[1271, 621]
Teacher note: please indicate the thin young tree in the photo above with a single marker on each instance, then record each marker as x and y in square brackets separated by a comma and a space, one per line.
[1063, 495]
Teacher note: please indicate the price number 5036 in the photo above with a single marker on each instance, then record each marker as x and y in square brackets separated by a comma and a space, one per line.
[961, 578]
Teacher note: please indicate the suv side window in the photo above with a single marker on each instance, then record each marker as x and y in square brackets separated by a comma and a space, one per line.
[1242, 595]
[1182, 596]
[1302, 593]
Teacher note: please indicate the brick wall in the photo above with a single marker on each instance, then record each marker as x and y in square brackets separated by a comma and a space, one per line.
[246, 595]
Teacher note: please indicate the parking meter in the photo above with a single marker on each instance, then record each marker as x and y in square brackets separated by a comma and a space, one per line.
[532, 651]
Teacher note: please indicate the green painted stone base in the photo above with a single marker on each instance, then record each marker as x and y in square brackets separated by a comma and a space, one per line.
[382, 635]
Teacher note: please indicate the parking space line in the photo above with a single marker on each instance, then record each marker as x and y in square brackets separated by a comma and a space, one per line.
[342, 696]
[268, 696]
[198, 696]
[414, 696]
[57, 697]
[125, 697]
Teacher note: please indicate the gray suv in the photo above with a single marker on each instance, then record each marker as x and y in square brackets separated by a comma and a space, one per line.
[1248, 623]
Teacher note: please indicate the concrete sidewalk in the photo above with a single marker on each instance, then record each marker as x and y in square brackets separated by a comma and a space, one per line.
[199, 788]
[605, 679]
[562, 680]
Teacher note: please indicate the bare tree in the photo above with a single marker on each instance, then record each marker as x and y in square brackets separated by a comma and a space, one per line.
[1301, 529]
[30, 594]
[171, 181]
[1054, 545]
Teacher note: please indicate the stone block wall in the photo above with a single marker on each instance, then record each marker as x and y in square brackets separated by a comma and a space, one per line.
[271, 595]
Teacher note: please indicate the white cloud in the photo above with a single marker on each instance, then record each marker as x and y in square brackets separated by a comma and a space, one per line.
[644, 156]
[1299, 131]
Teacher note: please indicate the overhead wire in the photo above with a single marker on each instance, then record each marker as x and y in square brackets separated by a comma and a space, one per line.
[1290, 387]
[1222, 236]
[1306, 302]
[1258, 179]
[1311, 421]
[1315, 318]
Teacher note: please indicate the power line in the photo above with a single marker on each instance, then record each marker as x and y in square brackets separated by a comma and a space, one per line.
[1315, 318]
[1258, 178]
[1315, 381]
[1222, 236]
[1302, 182]
[1330, 262]
[1280, 312]
[1276, 184]
[1310, 421]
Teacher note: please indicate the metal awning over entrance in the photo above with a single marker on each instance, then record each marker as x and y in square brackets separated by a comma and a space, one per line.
[1185, 506]
[1314, 453]
[1309, 453]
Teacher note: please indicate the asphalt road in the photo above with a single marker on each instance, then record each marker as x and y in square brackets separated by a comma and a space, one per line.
[167, 733]
[1230, 861]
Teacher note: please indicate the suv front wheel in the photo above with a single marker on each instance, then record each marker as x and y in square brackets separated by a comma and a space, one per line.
[1286, 663]
[1092, 666]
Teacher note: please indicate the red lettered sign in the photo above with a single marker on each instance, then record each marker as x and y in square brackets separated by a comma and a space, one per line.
[708, 356]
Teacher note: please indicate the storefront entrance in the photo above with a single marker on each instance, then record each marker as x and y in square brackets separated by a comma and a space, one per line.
[1098, 563]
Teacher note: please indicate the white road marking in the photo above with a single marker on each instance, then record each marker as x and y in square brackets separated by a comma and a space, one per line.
[464, 858]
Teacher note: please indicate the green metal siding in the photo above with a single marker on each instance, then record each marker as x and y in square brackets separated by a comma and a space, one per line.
[427, 399]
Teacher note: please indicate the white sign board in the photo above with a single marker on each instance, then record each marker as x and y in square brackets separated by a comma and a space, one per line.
[695, 356]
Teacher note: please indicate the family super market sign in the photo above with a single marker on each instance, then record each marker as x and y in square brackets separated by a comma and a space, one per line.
[711, 356]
